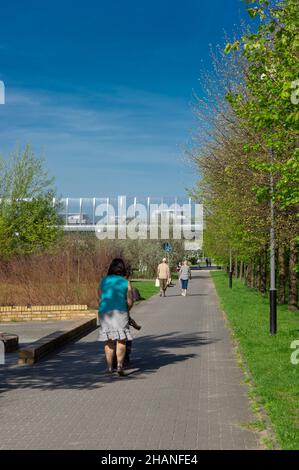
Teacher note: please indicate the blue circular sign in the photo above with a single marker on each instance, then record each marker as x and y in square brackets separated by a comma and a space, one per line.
[167, 247]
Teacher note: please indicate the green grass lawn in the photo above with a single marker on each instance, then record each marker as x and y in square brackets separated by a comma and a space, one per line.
[138, 275]
[146, 288]
[276, 380]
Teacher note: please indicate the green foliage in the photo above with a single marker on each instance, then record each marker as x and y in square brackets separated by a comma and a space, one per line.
[288, 185]
[145, 255]
[250, 116]
[28, 218]
[267, 106]
[146, 288]
[28, 226]
[22, 176]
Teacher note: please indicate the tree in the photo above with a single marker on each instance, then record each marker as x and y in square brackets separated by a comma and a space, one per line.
[28, 218]
[241, 118]
[267, 106]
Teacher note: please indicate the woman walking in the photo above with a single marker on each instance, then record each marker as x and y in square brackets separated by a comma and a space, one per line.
[184, 276]
[115, 302]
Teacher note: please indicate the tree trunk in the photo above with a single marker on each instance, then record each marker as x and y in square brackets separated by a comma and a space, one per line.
[248, 281]
[78, 271]
[68, 268]
[281, 275]
[247, 275]
[241, 270]
[263, 287]
[251, 275]
[258, 274]
[236, 268]
[293, 288]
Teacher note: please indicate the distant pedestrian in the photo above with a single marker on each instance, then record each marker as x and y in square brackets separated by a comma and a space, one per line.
[207, 262]
[184, 276]
[115, 302]
[163, 274]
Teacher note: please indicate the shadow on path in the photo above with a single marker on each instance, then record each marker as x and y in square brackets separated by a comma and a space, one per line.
[81, 364]
[188, 295]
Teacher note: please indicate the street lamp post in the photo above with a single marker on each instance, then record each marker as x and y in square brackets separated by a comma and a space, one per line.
[272, 292]
[230, 269]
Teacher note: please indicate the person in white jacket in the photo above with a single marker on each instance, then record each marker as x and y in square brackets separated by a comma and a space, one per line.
[163, 274]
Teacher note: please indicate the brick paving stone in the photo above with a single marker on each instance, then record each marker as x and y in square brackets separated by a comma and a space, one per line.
[184, 390]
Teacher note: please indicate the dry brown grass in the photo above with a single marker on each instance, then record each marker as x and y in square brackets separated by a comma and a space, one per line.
[69, 274]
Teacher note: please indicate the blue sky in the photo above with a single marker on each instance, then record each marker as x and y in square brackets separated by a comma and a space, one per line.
[102, 89]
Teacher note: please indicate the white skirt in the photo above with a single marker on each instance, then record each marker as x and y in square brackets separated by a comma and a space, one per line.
[114, 325]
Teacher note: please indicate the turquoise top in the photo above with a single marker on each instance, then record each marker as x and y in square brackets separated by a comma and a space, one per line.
[113, 293]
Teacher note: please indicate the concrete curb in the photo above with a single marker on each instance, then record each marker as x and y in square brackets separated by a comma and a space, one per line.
[48, 344]
[11, 342]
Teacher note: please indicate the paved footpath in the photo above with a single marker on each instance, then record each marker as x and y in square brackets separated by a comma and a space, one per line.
[185, 391]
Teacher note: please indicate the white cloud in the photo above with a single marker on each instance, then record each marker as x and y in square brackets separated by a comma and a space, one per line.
[117, 133]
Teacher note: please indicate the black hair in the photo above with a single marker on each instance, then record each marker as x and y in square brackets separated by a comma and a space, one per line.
[118, 267]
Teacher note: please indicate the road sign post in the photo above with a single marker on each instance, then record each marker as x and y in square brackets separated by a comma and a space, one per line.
[167, 247]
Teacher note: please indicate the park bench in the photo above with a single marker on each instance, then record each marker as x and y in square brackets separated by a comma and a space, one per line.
[48, 344]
